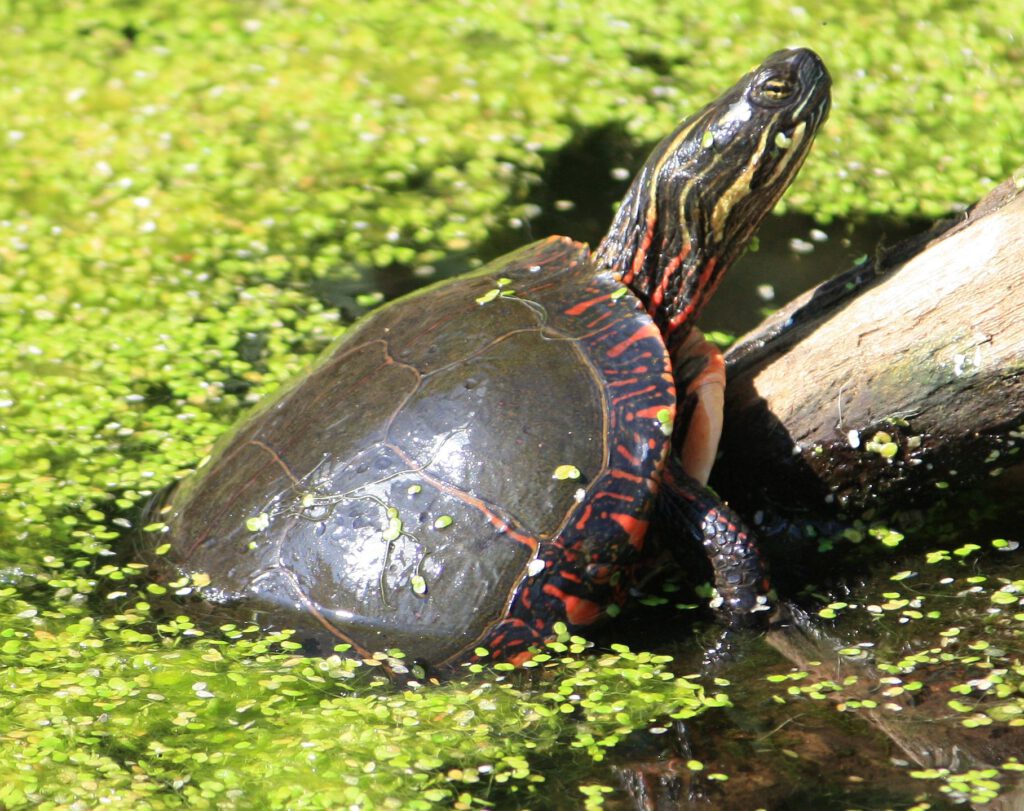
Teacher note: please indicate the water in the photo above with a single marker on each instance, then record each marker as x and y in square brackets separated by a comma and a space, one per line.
[876, 709]
[219, 720]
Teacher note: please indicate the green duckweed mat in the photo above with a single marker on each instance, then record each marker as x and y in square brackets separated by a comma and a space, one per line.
[173, 182]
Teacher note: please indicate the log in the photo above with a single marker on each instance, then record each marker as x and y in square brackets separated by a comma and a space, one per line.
[896, 382]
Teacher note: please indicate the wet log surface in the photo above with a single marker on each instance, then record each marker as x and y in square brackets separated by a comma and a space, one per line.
[891, 383]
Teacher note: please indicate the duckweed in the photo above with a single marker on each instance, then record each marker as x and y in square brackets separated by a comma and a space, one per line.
[107, 709]
[173, 187]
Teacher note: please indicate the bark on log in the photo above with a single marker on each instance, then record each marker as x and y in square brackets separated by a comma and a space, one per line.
[891, 383]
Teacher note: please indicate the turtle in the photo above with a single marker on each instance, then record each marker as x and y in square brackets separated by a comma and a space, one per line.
[477, 466]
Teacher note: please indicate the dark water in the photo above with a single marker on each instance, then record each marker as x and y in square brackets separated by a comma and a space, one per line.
[794, 254]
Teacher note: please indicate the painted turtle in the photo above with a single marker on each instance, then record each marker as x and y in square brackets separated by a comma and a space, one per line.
[482, 459]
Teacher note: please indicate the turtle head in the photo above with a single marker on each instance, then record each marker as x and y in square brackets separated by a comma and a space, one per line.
[697, 201]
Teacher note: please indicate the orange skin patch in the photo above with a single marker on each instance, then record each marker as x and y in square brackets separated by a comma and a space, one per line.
[521, 658]
[700, 445]
[705, 286]
[636, 528]
[658, 298]
[633, 394]
[582, 523]
[641, 254]
[649, 331]
[583, 306]
[624, 452]
[578, 611]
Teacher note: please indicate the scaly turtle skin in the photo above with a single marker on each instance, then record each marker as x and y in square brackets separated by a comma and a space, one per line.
[480, 460]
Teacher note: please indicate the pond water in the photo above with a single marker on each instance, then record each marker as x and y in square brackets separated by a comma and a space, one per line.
[575, 198]
[872, 700]
[794, 254]
[898, 685]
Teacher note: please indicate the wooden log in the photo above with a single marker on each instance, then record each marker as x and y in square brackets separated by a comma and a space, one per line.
[893, 383]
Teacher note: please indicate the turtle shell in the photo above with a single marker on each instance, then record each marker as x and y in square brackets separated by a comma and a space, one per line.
[465, 468]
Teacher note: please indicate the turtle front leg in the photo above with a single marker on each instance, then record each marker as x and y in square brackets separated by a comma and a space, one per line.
[741, 579]
[685, 500]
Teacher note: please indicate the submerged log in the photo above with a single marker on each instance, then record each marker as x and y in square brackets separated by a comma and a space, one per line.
[919, 724]
[893, 382]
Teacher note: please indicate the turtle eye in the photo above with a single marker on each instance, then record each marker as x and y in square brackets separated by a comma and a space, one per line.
[777, 89]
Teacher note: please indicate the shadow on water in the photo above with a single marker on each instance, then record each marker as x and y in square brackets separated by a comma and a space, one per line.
[576, 196]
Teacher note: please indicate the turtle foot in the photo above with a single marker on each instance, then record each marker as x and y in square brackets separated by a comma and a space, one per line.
[740, 577]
